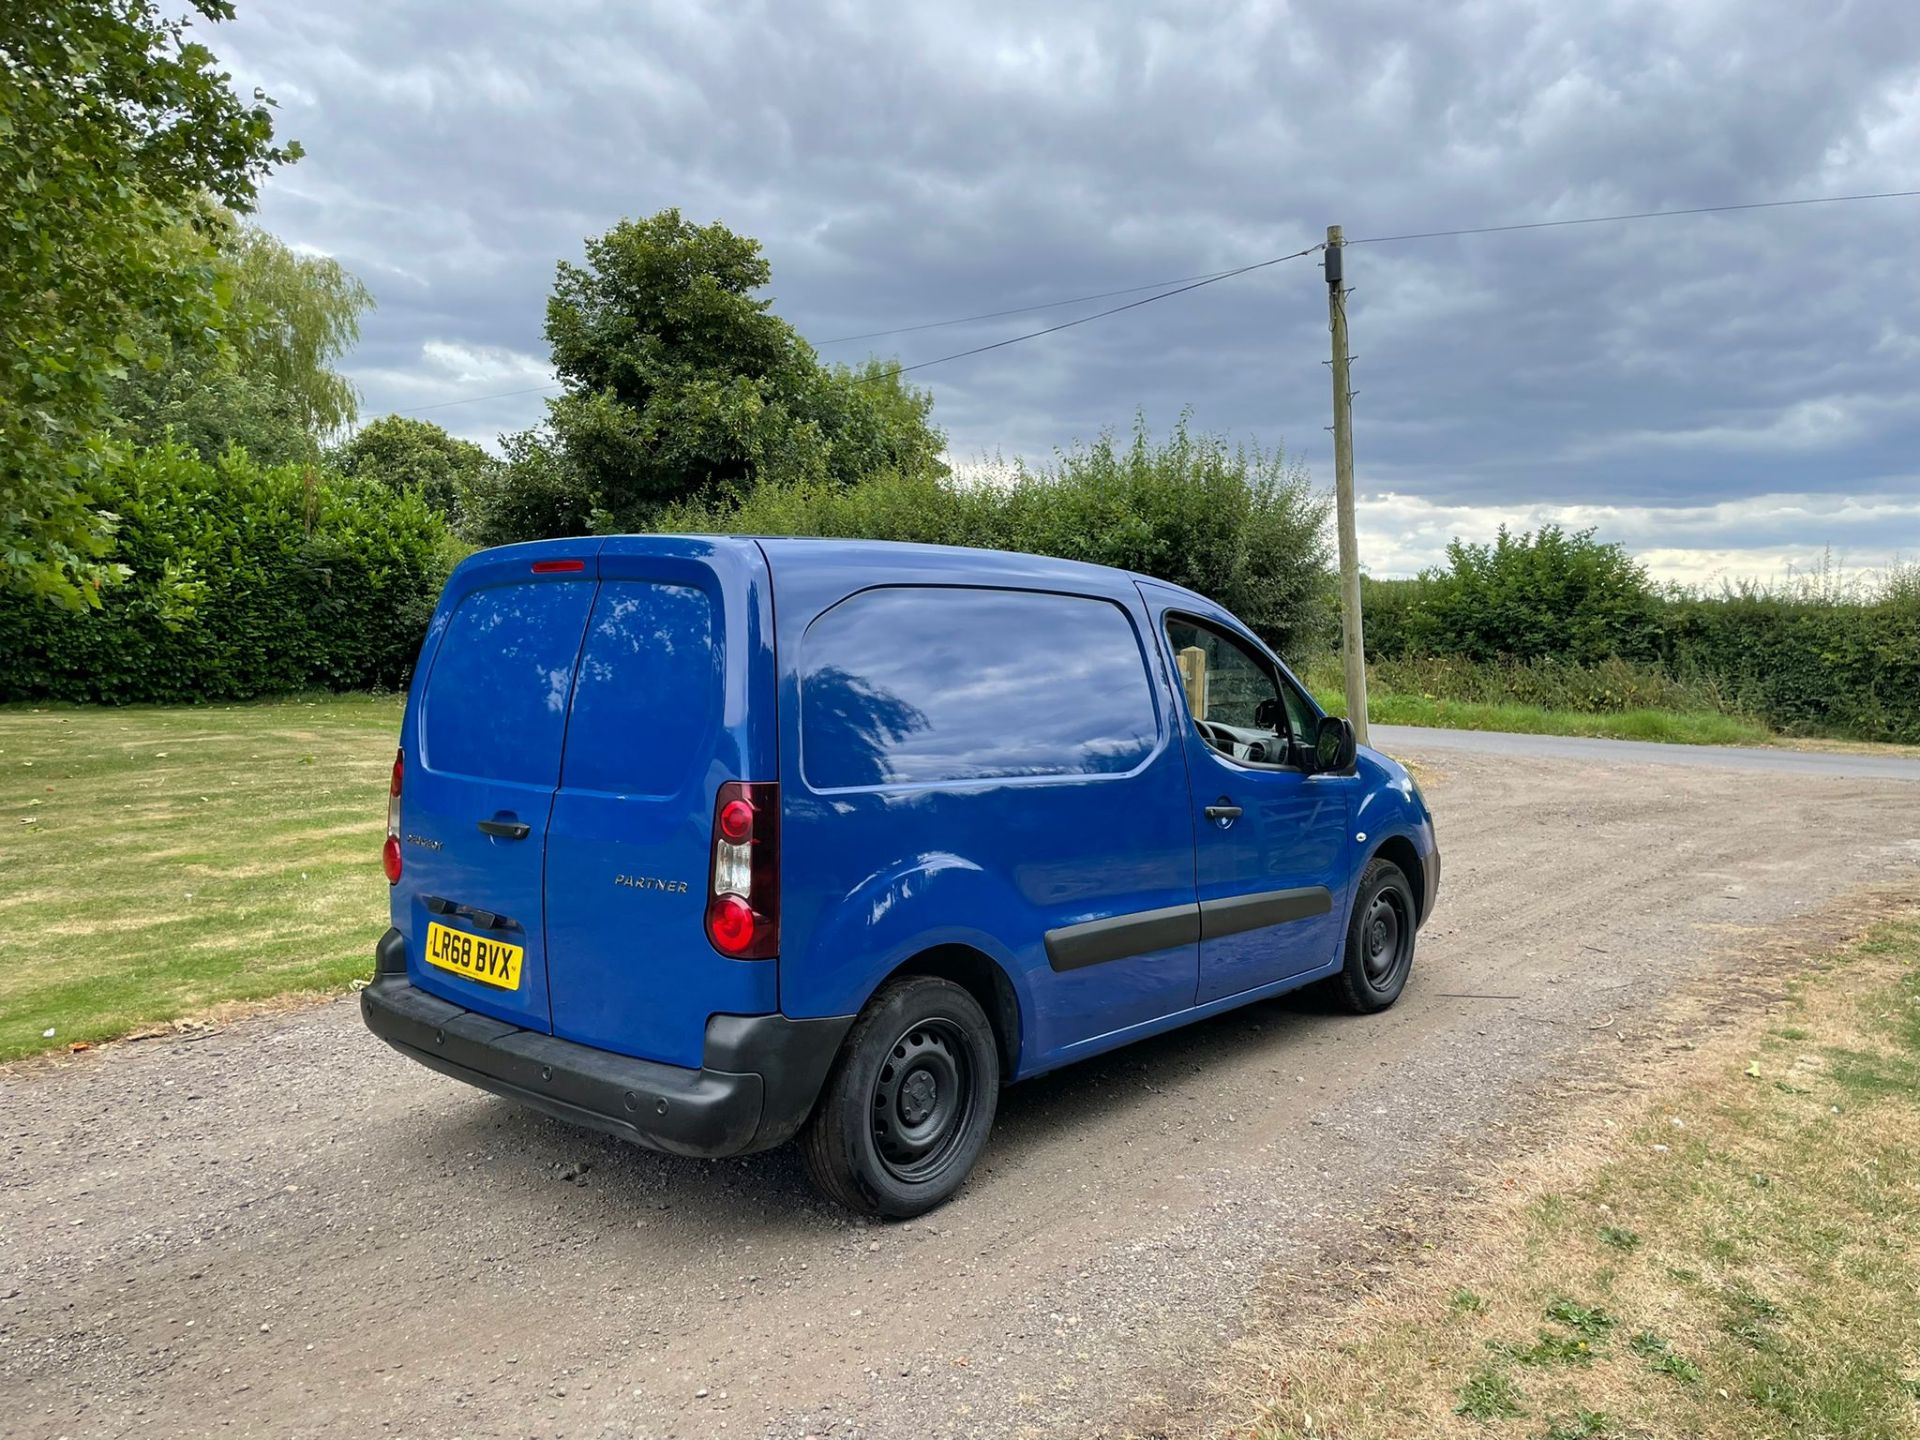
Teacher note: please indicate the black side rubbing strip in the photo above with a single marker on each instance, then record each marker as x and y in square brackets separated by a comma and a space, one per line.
[1093, 942]
[1235, 913]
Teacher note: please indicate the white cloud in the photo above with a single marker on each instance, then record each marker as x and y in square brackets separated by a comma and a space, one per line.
[439, 381]
[1824, 423]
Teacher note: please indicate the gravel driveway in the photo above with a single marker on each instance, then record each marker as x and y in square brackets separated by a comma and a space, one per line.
[284, 1228]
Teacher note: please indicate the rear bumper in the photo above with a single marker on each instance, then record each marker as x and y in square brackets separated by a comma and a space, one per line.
[757, 1086]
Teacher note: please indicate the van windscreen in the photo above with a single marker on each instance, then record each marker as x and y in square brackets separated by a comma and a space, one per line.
[495, 706]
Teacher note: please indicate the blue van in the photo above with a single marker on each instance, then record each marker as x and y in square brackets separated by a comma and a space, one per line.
[714, 842]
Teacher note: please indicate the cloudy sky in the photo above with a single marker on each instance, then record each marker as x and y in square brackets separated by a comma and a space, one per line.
[1728, 394]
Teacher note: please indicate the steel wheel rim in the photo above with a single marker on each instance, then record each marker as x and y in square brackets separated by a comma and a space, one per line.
[1383, 936]
[923, 1099]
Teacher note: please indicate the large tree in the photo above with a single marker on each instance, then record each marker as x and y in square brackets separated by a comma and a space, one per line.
[294, 315]
[417, 456]
[114, 121]
[681, 383]
[271, 388]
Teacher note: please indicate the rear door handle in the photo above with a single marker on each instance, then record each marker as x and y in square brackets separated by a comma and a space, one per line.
[1223, 812]
[506, 829]
[485, 919]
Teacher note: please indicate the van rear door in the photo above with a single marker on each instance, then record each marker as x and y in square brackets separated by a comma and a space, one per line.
[675, 696]
[482, 742]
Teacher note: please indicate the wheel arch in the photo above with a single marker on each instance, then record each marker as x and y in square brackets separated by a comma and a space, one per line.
[1402, 852]
[982, 977]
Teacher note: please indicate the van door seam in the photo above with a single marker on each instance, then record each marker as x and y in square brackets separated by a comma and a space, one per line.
[560, 779]
[779, 765]
[1176, 706]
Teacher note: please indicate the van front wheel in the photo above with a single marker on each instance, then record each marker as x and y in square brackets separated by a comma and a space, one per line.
[1379, 940]
[906, 1111]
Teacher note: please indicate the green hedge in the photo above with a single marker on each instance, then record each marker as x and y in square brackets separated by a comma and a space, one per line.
[245, 580]
[1544, 595]
[1807, 665]
[1606, 687]
[1802, 661]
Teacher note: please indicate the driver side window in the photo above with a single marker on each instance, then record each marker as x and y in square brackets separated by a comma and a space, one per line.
[1231, 693]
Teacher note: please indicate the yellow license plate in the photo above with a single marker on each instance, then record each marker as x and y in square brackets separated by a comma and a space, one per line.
[491, 962]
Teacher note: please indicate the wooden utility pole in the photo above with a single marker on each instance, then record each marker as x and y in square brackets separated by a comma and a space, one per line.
[1352, 642]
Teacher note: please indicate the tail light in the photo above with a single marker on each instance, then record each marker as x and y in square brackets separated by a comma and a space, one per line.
[390, 852]
[743, 891]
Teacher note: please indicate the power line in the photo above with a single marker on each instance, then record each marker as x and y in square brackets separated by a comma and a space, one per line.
[1084, 319]
[476, 399]
[1027, 309]
[1185, 283]
[1195, 282]
[1638, 215]
[1191, 282]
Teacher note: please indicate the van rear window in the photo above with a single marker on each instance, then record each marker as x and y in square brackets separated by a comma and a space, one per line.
[495, 706]
[643, 711]
[903, 686]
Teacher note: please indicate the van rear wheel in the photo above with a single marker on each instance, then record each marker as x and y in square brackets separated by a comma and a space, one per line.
[906, 1110]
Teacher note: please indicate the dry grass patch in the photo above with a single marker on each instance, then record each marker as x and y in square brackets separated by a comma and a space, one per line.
[1733, 1253]
[162, 861]
[1848, 747]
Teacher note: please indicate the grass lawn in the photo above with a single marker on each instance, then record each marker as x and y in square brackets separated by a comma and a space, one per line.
[1680, 727]
[1736, 1257]
[159, 862]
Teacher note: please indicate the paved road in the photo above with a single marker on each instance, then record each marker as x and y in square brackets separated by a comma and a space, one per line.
[1770, 760]
[286, 1229]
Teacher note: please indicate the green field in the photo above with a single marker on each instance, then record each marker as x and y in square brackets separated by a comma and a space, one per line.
[161, 862]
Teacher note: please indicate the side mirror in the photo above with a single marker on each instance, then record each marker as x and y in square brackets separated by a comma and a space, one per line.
[1334, 747]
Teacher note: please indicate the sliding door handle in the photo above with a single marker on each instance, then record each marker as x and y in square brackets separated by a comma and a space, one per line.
[1219, 814]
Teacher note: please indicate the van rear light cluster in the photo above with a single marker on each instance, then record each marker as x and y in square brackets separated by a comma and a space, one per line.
[743, 891]
[390, 852]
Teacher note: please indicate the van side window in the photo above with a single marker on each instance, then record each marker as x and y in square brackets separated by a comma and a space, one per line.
[1231, 692]
[495, 706]
[926, 685]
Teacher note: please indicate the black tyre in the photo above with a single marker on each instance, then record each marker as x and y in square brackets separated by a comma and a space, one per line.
[1379, 940]
[907, 1107]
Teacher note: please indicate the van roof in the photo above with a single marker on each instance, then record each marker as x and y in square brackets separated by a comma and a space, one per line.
[959, 560]
[792, 552]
